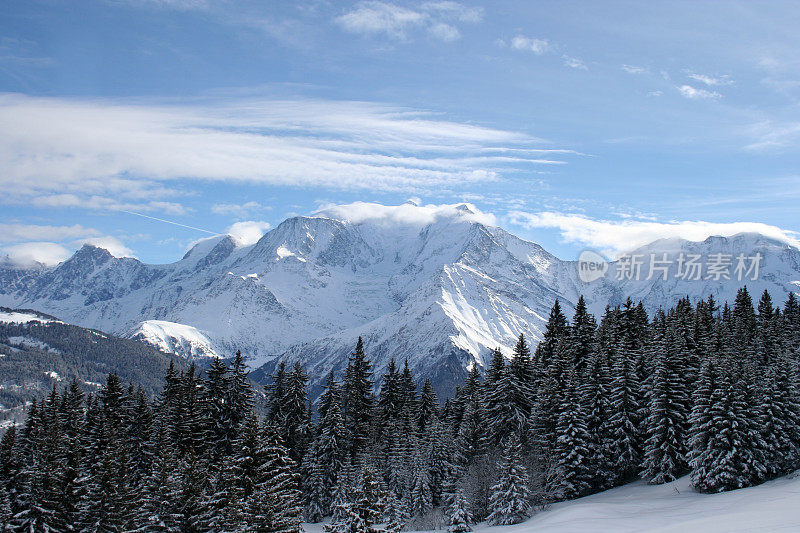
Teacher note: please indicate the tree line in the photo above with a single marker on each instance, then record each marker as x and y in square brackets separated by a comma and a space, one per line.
[706, 390]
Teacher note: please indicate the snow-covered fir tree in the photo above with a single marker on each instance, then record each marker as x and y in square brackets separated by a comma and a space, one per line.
[510, 495]
[665, 427]
[572, 470]
[459, 516]
[358, 399]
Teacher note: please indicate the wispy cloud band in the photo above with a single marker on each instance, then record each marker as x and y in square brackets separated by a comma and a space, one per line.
[62, 150]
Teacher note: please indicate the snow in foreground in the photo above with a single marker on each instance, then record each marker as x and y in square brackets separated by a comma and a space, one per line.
[674, 506]
[773, 506]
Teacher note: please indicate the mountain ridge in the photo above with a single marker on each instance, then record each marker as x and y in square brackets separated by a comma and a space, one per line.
[439, 288]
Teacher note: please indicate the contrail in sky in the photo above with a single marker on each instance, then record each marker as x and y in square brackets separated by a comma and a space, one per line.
[169, 222]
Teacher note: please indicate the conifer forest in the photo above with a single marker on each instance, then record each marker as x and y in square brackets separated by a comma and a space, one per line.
[708, 389]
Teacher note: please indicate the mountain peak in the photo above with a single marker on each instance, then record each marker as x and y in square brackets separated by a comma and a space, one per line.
[743, 242]
[93, 251]
[406, 214]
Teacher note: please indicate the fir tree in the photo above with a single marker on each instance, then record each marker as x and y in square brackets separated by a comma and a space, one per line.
[780, 416]
[5, 508]
[371, 498]
[240, 396]
[701, 422]
[469, 427]
[41, 475]
[159, 508]
[395, 513]
[73, 423]
[421, 493]
[520, 388]
[549, 397]
[573, 453]
[510, 496]
[390, 398]
[595, 397]
[790, 337]
[665, 444]
[9, 461]
[495, 400]
[275, 504]
[217, 409]
[625, 407]
[106, 504]
[276, 392]
[582, 336]
[225, 505]
[358, 400]
[191, 425]
[295, 428]
[330, 446]
[731, 458]
[555, 331]
[459, 516]
[427, 408]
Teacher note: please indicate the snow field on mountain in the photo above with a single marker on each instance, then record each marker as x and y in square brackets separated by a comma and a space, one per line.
[175, 338]
[15, 317]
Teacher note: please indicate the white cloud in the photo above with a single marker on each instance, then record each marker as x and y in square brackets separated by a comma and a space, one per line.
[574, 62]
[89, 153]
[614, 237]
[35, 242]
[693, 93]
[247, 233]
[406, 213]
[711, 80]
[398, 22]
[239, 210]
[633, 69]
[34, 232]
[381, 18]
[32, 253]
[774, 135]
[537, 46]
[444, 32]
[104, 203]
[114, 246]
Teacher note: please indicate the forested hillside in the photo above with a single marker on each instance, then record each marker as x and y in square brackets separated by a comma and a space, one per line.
[710, 391]
[38, 352]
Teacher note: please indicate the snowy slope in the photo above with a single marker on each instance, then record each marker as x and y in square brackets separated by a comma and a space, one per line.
[671, 507]
[23, 317]
[171, 337]
[437, 286]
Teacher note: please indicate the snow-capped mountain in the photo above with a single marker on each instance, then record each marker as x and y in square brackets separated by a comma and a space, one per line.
[438, 287]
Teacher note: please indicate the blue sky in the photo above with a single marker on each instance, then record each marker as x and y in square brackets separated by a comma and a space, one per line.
[575, 124]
